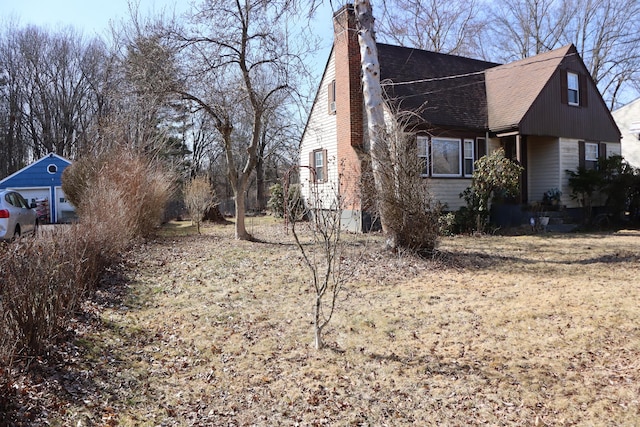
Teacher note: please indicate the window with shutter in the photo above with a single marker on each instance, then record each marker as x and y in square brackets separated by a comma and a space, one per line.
[318, 166]
[589, 153]
[573, 88]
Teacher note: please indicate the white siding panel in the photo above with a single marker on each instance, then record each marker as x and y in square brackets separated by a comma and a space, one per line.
[447, 191]
[543, 157]
[320, 134]
[569, 160]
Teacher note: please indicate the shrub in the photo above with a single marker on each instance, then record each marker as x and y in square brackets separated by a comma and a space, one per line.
[295, 201]
[199, 196]
[409, 216]
[613, 177]
[120, 183]
[119, 196]
[494, 175]
[43, 281]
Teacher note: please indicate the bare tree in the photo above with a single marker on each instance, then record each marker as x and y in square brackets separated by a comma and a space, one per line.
[14, 148]
[453, 27]
[245, 59]
[198, 197]
[374, 107]
[609, 46]
[599, 29]
[278, 147]
[47, 79]
[524, 28]
[324, 256]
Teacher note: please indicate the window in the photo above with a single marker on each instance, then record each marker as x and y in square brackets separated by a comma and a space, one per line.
[449, 157]
[318, 164]
[331, 95]
[573, 87]
[445, 157]
[590, 155]
[468, 157]
[423, 153]
[52, 169]
[590, 152]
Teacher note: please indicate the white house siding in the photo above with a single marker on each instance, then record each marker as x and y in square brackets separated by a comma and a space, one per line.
[447, 191]
[628, 118]
[320, 134]
[544, 173]
[569, 160]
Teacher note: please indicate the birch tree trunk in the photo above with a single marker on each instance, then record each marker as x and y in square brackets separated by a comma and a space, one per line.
[372, 92]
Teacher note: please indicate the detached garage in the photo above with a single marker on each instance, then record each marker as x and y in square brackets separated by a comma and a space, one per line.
[41, 183]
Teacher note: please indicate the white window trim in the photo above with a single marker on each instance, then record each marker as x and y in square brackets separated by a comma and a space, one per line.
[570, 88]
[319, 154]
[425, 155]
[460, 156]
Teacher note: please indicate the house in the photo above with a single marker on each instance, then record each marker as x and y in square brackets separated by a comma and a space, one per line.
[545, 111]
[628, 120]
[41, 183]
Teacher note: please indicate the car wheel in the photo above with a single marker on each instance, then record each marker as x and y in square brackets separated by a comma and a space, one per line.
[16, 233]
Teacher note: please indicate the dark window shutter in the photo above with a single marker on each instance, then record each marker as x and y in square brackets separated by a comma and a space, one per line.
[581, 154]
[481, 148]
[582, 84]
[325, 165]
[564, 87]
[602, 150]
[312, 167]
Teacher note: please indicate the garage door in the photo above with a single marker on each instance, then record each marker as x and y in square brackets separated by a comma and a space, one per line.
[33, 194]
[65, 210]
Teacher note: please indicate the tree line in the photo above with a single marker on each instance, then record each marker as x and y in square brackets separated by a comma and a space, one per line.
[224, 90]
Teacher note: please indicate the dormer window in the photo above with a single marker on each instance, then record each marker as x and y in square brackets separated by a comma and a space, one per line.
[573, 87]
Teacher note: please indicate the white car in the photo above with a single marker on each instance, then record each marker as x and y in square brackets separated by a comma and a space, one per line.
[17, 217]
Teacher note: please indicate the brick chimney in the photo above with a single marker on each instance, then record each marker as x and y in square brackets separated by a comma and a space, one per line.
[349, 106]
[349, 101]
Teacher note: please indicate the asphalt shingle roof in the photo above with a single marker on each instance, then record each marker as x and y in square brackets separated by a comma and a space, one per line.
[447, 90]
[512, 88]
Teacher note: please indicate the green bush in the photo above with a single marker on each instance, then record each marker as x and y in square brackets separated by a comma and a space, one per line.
[295, 201]
[615, 178]
[494, 175]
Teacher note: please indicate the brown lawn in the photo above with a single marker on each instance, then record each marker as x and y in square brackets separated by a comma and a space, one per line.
[209, 331]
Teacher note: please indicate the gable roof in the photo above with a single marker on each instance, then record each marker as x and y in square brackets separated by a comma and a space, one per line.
[512, 88]
[447, 90]
[35, 166]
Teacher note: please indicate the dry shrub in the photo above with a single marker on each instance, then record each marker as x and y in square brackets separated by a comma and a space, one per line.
[121, 188]
[409, 215]
[199, 196]
[118, 196]
[43, 281]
